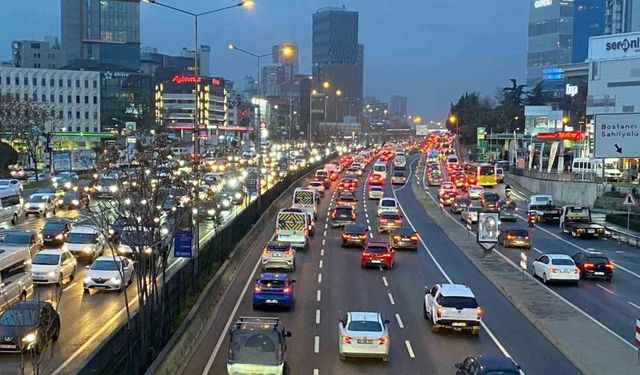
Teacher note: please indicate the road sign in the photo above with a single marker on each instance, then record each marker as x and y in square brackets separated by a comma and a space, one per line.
[629, 200]
[617, 135]
[182, 244]
[638, 332]
[523, 261]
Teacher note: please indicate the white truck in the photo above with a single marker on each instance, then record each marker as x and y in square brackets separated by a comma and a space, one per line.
[399, 162]
[308, 198]
[452, 306]
[292, 226]
[543, 206]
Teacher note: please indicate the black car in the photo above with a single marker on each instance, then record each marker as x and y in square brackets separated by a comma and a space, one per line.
[28, 325]
[74, 200]
[55, 230]
[404, 238]
[593, 266]
[514, 237]
[487, 365]
[459, 204]
[354, 235]
[490, 201]
[343, 215]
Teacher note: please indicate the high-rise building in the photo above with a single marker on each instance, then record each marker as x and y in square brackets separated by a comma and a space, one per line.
[107, 31]
[398, 105]
[163, 67]
[286, 55]
[376, 112]
[622, 16]
[588, 21]
[36, 53]
[550, 37]
[271, 77]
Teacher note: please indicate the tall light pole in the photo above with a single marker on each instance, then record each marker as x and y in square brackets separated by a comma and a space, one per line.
[313, 93]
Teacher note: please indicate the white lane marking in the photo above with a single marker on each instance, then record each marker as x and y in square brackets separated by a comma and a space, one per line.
[320, 264]
[323, 242]
[409, 348]
[316, 371]
[544, 286]
[318, 295]
[324, 234]
[536, 250]
[321, 252]
[370, 234]
[369, 226]
[391, 299]
[317, 316]
[320, 278]
[607, 290]
[634, 305]
[316, 344]
[399, 321]
[406, 181]
[384, 281]
[326, 226]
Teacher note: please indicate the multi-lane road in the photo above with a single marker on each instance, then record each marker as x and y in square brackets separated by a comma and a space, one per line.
[330, 282]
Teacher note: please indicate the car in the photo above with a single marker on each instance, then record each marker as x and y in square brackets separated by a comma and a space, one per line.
[55, 230]
[358, 169]
[319, 186]
[403, 238]
[273, 289]
[555, 267]
[508, 211]
[74, 200]
[434, 179]
[378, 254]
[105, 274]
[53, 266]
[490, 201]
[514, 237]
[452, 306]
[375, 179]
[389, 221]
[30, 239]
[387, 204]
[354, 235]
[40, 204]
[447, 199]
[85, 242]
[500, 174]
[475, 191]
[593, 265]
[363, 334]
[257, 346]
[347, 184]
[322, 175]
[459, 204]
[278, 254]
[21, 173]
[376, 192]
[347, 199]
[342, 215]
[10, 184]
[471, 212]
[398, 178]
[446, 187]
[28, 326]
[487, 365]
[65, 180]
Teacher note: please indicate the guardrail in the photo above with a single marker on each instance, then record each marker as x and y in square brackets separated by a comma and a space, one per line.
[556, 176]
[622, 236]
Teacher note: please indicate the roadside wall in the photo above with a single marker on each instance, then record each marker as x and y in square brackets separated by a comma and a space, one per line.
[566, 192]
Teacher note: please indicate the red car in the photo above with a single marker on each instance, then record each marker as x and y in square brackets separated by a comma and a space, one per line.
[347, 184]
[378, 254]
[376, 179]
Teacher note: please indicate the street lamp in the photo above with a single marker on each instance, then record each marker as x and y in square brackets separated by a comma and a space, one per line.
[338, 94]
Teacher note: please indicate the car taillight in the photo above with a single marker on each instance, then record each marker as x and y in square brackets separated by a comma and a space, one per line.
[346, 339]
[553, 270]
[306, 232]
[265, 252]
[366, 253]
[286, 290]
[588, 265]
[439, 312]
[353, 216]
[345, 236]
[609, 266]
[257, 289]
[510, 236]
[362, 236]
[398, 222]
[396, 238]
[387, 255]
[333, 215]
[383, 340]
[383, 221]
[414, 238]
[479, 312]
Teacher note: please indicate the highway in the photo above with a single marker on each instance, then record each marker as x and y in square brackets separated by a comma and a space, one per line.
[330, 282]
[614, 305]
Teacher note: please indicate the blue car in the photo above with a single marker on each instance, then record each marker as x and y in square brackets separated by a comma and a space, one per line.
[273, 289]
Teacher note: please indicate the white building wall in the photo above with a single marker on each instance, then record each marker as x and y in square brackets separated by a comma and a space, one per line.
[614, 86]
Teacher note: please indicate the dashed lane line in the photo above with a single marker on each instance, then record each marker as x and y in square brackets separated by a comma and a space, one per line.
[321, 252]
[316, 344]
[409, 348]
[318, 295]
[320, 264]
[384, 281]
[399, 321]
[608, 290]
[317, 316]
[320, 278]
[391, 299]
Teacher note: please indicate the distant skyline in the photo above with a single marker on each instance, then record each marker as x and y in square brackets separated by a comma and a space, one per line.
[431, 51]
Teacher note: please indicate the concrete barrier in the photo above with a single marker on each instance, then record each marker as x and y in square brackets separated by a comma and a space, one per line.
[569, 192]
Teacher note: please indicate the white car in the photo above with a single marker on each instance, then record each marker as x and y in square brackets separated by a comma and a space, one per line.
[475, 191]
[53, 266]
[40, 204]
[376, 192]
[387, 205]
[452, 306]
[446, 187]
[470, 212]
[555, 267]
[318, 185]
[363, 334]
[85, 241]
[107, 274]
[12, 183]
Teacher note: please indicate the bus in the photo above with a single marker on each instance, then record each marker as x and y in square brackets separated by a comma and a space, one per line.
[482, 174]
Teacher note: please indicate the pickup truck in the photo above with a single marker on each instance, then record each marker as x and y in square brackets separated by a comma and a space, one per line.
[544, 208]
[577, 222]
[452, 306]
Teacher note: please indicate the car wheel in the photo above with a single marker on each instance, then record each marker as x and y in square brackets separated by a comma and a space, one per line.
[14, 219]
[23, 295]
[130, 280]
[385, 358]
[342, 357]
[61, 279]
[85, 290]
[475, 331]
[435, 329]
[544, 278]
[54, 211]
[362, 265]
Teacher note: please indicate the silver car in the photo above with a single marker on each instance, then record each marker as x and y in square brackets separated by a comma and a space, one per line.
[363, 334]
[278, 255]
[471, 212]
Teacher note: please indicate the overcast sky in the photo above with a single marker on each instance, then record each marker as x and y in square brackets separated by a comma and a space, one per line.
[428, 50]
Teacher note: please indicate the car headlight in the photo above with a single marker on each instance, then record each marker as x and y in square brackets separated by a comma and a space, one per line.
[111, 231]
[41, 205]
[115, 280]
[75, 202]
[211, 212]
[113, 188]
[59, 237]
[31, 337]
[122, 250]
[87, 250]
[99, 188]
[67, 185]
[225, 202]
[51, 274]
[147, 250]
[237, 195]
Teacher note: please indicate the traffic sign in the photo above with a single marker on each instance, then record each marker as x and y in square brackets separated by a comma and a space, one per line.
[638, 331]
[629, 200]
[523, 261]
[182, 244]
[617, 135]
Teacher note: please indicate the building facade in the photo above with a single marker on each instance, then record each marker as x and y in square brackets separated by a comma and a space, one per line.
[398, 105]
[39, 54]
[622, 16]
[126, 97]
[107, 31]
[588, 21]
[73, 97]
[163, 67]
[288, 61]
[376, 113]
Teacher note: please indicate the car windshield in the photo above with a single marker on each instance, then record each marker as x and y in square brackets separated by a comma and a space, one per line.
[491, 198]
[462, 201]
[81, 237]
[475, 209]
[562, 262]
[4, 182]
[376, 249]
[53, 226]
[255, 347]
[46, 259]
[270, 283]
[388, 203]
[343, 211]
[376, 189]
[38, 198]
[598, 260]
[448, 185]
[16, 238]
[107, 181]
[19, 317]
[364, 326]
[105, 265]
[459, 302]
[398, 174]
[71, 195]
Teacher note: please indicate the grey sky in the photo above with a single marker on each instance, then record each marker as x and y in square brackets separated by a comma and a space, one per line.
[428, 50]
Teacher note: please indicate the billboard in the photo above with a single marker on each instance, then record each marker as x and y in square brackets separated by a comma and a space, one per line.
[422, 130]
[616, 46]
[617, 135]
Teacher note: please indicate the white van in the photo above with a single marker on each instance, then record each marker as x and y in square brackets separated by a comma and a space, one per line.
[380, 168]
[10, 206]
[292, 226]
[586, 166]
[308, 198]
[452, 159]
[15, 276]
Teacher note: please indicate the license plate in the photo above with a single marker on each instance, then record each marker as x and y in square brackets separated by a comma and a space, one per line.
[277, 255]
[364, 341]
[591, 230]
[272, 301]
[459, 324]
[376, 261]
[354, 237]
[5, 346]
[599, 273]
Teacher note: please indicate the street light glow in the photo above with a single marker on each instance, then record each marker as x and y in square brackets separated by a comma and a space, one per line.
[231, 46]
[326, 84]
[452, 119]
[247, 4]
[338, 92]
[287, 51]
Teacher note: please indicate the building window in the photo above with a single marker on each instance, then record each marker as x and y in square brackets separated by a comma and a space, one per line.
[86, 99]
[95, 115]
[60, 82]
[86, 128]
[52, 98]
[26, 81]
[86, 84]
[95, 100]
[77, 115]
[69, 115]
[60, 115]
[44, 98]
[35, 81]
[43, 82]
[77, 99]
[52, 82]
[35, 97]
[68, 83]
[77, 83]
[77, 128]
[69, 99]
[60, 99]
[95, 84]
[86, 115]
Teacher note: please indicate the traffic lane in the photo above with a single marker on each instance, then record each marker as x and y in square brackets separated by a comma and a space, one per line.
[520, 338]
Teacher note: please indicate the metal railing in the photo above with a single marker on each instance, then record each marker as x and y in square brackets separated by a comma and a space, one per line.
[556, 176]
[622, 236]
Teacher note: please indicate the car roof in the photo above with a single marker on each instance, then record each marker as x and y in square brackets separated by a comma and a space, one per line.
[49, 251]
[496, 363]
[456, 290]
[365, 316]
[354, 228]
[387, 199]
[273, 276]
[405, 230]
[390, 214]
[84, 229]
[108, 258]
[56, 220]
[558, 256]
